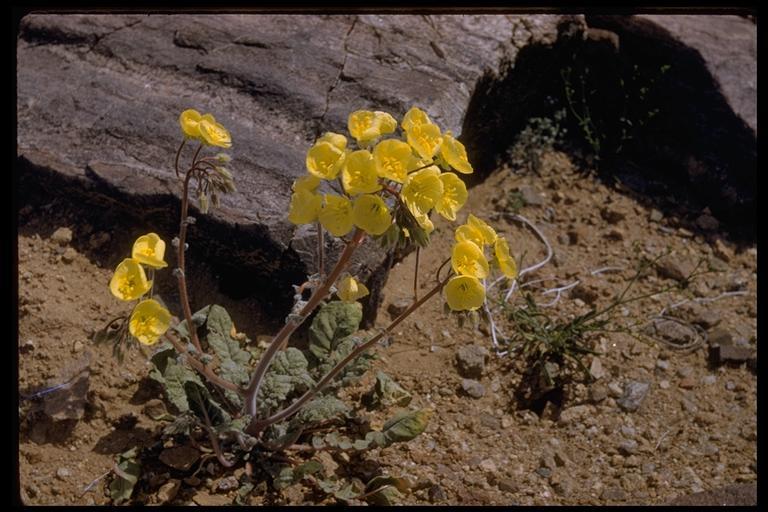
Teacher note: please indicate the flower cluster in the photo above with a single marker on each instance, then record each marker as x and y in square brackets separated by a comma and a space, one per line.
[385, 178]
[204, 128]
[149, 319]
[466, 291]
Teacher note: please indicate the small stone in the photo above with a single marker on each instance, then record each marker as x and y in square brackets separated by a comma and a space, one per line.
[192, 481]
[674, 331]
[561, 483]
[63, 473]
[614, 494]
[730, 385]
[615, 389]
[687, 383]
[722, 251]
[597, 393]
[628, 447]
[574, 236]
[664, 384]
[612, 215]
[77, 346]
[211, 500]
[596, 368]
[62, 236]
[648, 468]
[471, 360]
[531, 196]
[656, 215]
[398, 307]
[628, 431]
[508, 485]
[575, 413]
[633, 396]
[436, 494]
[168, 491]
[488, 466]
[473, 388]
[662, 365]
[180, 457]
[688, 405]
[544, 472]
[615, 234]
[69, 255]
[227, 484]
[707, 222]
[579, 303]
[673, 268]
[27, 346]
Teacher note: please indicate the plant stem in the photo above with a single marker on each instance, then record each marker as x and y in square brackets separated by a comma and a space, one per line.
[319, 294]
[178, 154]
[416, 277]
[258, 426]
[200, 367]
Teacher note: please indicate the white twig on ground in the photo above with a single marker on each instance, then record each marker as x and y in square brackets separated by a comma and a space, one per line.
[534, 267]
[702, 300]
[559, 291]
[606, 269]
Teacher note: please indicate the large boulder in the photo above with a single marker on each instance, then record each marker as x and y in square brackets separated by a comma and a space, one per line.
[98, 99]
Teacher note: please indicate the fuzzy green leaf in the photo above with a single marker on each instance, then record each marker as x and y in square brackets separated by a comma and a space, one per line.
[198, 320]
[406, 425]
[318, 410]
[390, 490]
[126, 476]
[332, 323]
[233, 359]
[287, 375]
[386, 392]
[173, 377]
[199, 397]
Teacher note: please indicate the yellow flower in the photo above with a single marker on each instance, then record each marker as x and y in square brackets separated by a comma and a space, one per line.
[464, 293]
[467, 259]
[454, 196]
[213, 133]
[393, 158]
[365, 125]
[487, 232]
[308, 183]
[359, 174]
[305, 206]
[454, 154]
[414, 117]
[336, 215]
[424, 221]
[189, 121]
[422, 190]
[371, 214]
[149, 321]
[466, 232]
[130, 281]
[149, 250]
[335, 139]
[425, 139]
[324, 160]
[350, 289]
[506, 262]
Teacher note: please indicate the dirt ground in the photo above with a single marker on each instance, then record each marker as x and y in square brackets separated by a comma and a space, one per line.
[696, 429]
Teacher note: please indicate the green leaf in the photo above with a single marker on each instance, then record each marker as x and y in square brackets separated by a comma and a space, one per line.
[318, 410]
[386, 392]
[390, 493]
[350, 491]
[126, 476]
[308, 468]
[198, 320]
[199, 397]
[406, 425]
[233, 359]
[284, 478]
[354, 370]
[287, 375]
[332, 323]
[173, 377]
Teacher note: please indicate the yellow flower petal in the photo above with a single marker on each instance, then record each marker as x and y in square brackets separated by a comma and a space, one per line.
[129, 281]
[359, 173]
[488, 233]
[466, 232]
[324, 160]
[149, 321]
[393, 159]
[350, 289]
[424, 221]
[422, 190]
[336, 215]
[455, 154]
[370, 213]
[335, 139]
[506, 262]
[149, 250]
[308, 183]
[305, 207]
[468, 259]
[365, 125]
[454, 196]
[464, 293]
[214, 133]
[425, 139]
[189, 120]
[414, 117]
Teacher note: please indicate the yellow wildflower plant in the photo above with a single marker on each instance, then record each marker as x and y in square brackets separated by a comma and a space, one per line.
[370, 213]
[324, 160]
[129, 281]
[467, 259]
[467, 232]
[365, 125]
[213, 133]
[308, 183]
[393, 158]
[454, 196]
[454, 154]
[305, 206]
[422, 190]
[487, 232]
[189, 121]
[358, 176]
[149, 250]
[506, 262]
[149, 321]
[336, 215]
[425, 139]
[350, 289]
[414, 117]
[335, 139]
[464, 293]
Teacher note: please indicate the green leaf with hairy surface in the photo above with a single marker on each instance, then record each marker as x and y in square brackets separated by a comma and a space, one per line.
[202, 404]
[285, 477]
[308, 468]
[182, 424]
[198, 320]
[233, 359]
[386, 392]
[127, 473]
[354, 370]
[173, 377]
[332, 323]
[388, 490]
[406, 425]
[318, 410]
[287, 375]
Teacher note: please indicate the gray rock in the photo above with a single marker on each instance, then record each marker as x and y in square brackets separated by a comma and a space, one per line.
[674, 268]
[508, 485]
[436, 494]
[227, 484]
[398, 307]
[628, 447]
[575, 413]
[674, 331]
[473, 388]
[544, 472]
[531, 196]
[596, 368]
[63, 473]
[731, 495]
[634, 394]
[656, 215]
[685, 371]
[613, 494]
[662, 365]
[471, 360]
[62, 236]
[597, 393]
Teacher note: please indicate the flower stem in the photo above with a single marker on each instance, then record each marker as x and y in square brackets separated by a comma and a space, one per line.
[200, 367]
[178, 154]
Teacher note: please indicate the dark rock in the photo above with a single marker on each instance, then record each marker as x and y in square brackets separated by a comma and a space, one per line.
[720, 354]
[398, 307]
[471, 360]
[180, 457]
[720, 336]
[436, 494]
[731, 495]
[707, 222]
[544, 472]
[634, 394]
[473, 388]
[612, 215]
[508, 485]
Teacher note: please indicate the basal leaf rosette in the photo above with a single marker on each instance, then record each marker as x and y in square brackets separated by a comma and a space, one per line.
[464, 293]
[149, 321]
[129, 281]
[149, 250]
[350, 289]
[366, 126]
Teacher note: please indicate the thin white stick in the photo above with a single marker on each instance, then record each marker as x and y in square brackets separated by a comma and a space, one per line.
[703, 300]
[606, 269]
[532, 267]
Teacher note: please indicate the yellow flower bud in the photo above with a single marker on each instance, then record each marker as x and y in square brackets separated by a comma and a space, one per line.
[149, 321]
[129, 281]
[149, 250]
[350, 289]
[464, 293]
